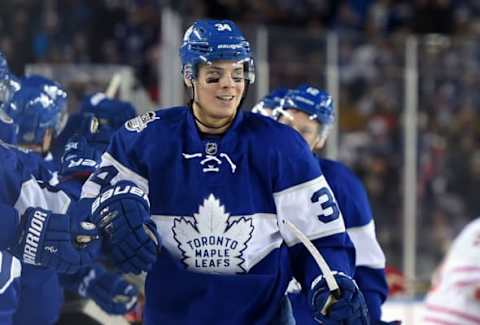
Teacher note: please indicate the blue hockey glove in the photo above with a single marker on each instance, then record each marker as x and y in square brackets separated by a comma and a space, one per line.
[109, 291]
[56, 241]
[122, 213]
[348, 309]
[79, 158]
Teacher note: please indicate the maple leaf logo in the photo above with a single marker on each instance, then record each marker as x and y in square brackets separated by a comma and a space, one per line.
[209, 243]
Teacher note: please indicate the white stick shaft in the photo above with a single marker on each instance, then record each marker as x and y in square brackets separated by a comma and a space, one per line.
[113, 85]
[322, 264]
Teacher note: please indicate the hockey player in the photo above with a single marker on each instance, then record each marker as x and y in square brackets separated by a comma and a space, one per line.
[39, 109]
[40, 239]
[455, 294]
[220, 182]
[108, 290]
[311, 112]
[82, 154]
[109, 113]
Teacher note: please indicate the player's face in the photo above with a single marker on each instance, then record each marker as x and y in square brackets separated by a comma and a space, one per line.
[304, 125]
[218, 91]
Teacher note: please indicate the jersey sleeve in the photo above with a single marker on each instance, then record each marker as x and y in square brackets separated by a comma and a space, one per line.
[119, 162]
[304, 198]
[20, 190]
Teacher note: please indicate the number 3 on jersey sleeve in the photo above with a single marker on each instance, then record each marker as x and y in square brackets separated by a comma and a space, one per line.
[329, 208]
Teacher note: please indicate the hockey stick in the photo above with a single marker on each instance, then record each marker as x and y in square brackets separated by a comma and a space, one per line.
[114, 85]
[322, 264]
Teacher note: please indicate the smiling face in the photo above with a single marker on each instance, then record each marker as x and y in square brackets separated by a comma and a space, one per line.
[218, 91]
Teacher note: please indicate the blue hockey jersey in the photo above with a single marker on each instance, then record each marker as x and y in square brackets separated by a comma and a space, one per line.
[219, 202]
[39, 296]
[370, 260]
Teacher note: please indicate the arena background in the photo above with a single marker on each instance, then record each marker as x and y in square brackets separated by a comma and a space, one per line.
[404, 75]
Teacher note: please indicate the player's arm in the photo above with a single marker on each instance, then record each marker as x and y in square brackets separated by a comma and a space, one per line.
[121, 209]
[304, 198]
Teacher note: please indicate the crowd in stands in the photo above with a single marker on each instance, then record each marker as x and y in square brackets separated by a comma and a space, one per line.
[371, 60]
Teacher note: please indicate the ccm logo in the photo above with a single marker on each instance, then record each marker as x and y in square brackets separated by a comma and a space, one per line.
[118, 190]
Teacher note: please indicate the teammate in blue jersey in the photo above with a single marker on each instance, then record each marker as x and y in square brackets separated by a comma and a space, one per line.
[82, 155]
[110, 113]
[31, 305]
[41, 239]
[219, 182]
[311, 112]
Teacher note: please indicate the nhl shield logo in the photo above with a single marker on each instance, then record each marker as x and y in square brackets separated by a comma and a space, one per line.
[139, 123]
[211, 148]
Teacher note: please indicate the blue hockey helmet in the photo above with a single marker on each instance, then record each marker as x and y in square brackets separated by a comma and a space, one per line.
[210, 40]
[316, 103]
[8, 129]
[109, 111]
[53, 89]
[36, 107]
[102, 116]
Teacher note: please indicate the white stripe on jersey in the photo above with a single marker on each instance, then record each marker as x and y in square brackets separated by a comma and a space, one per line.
[265, 237]
[91, 189]
[15, 270]
[367, 249]
[304, 215]
[32, 195]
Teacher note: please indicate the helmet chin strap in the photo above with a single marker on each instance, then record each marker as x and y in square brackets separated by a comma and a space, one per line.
[200, 106]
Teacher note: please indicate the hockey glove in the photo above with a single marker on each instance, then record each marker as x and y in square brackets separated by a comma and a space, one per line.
[55, 240]
[80, 158]
[349, 309]
[109, 291]
[122, 213]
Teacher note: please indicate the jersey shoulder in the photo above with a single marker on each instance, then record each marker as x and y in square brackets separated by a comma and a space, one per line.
[349, 191]
[337, 173]
[151, 126]
[272, 134]
[153, 120]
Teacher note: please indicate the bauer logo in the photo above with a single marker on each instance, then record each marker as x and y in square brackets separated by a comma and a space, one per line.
[139, 123]
[210, 242]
